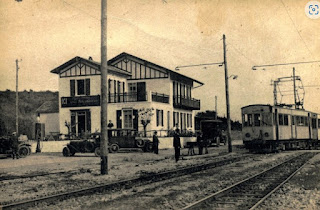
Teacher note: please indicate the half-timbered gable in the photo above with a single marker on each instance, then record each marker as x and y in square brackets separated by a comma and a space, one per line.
[138, 68]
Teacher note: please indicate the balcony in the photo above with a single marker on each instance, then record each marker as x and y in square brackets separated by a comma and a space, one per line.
[186, 103]
[158, 97]
[127, 97]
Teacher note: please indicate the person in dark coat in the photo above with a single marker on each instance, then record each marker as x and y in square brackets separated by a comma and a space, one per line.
[176, 144]
[110, 125]
[14, 146]
[155, 143]
[200, 142]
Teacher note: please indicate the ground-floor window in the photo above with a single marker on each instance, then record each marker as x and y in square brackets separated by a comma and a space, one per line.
[80, 122]
[159, 117]
[127, 118]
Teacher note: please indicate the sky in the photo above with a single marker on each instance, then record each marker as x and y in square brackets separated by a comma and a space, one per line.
[44, 34]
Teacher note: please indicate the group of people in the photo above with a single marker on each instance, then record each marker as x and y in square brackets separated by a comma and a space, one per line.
[176, 143]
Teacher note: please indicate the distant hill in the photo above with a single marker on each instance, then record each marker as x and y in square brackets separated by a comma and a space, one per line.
[29, 102]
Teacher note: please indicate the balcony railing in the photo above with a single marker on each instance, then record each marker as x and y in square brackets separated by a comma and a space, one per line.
[186, 103]
[162, 98]
[127, 97]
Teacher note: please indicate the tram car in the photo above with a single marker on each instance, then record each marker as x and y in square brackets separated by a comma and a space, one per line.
[267, 128]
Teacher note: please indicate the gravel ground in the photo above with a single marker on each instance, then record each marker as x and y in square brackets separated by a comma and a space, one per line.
[84, 170]
[301, 192]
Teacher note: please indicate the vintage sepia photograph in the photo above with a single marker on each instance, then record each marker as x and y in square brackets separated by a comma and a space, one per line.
[160, 104]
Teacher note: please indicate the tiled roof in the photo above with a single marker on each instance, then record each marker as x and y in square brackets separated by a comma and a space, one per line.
[49, 107]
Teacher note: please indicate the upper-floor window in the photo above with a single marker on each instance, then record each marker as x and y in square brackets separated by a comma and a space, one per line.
[80, 87]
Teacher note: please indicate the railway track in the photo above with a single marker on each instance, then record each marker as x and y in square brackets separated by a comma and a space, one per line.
[251, 192]
[125, 184]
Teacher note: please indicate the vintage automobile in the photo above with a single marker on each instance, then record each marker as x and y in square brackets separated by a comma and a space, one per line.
[212, 131]
[117, 139]
[24, 149]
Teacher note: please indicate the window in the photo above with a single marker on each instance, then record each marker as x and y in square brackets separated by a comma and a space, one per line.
[83, 87]
[127, 118]
[80, 85]
[285, 118]
[159, 117]
[247, 119]
[293, 120]
[281, 122]
[257, 119]
[314, 123]
[266, 119]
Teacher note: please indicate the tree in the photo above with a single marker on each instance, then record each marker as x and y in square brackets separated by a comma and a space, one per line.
[145, 118]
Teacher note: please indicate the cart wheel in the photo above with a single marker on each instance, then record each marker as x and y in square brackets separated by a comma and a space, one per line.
[114, 148]
[66, 152]
[140, 143]
[23, 151]
[97, 152]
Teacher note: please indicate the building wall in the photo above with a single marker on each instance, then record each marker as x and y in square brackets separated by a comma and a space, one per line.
[51, 121]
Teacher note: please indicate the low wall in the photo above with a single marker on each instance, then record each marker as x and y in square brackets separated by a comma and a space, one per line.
[48, 146]
[57, 146]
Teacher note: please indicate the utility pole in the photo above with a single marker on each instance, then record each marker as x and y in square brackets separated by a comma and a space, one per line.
[104, 92]
[17, 98]
[227, 94]
[294, 88]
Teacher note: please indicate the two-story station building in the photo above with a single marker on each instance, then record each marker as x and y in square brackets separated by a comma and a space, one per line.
[133, 84]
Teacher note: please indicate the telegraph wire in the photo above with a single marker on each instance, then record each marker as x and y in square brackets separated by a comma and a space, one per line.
[296, 28]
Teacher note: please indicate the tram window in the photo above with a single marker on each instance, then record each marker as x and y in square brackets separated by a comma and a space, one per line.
[257, 119]
[247, 119]
[250, 120]
[266, 119]
[306, 122]
[285, 118]
[318, 123]
[281, 119]
[293, 120]
[314, 123]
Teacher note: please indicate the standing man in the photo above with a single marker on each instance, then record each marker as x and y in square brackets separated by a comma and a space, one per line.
[14, 146]
[155, 142]
[200, 142]
[110, 125]
[176, 144]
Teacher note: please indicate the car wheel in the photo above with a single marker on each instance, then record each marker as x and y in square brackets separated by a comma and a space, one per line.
[97, 152]
[114, 148]
[140, 143]
[66, 152]
[23, 151]
[89, 146]
[148, 147]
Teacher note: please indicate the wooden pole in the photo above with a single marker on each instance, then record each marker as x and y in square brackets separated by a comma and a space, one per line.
[104, 98]
[227, 94]
[17, 98]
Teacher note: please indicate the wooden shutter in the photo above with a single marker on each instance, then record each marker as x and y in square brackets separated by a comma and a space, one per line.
[72, 87]
[141, 91]
[119, 121]
[88, 113]
[136, 119]
[87, 82]
[162, 117]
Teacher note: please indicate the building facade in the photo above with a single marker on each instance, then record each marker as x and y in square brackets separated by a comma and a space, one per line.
[135, 87]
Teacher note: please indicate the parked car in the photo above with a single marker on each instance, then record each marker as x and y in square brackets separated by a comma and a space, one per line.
[117, 139]
[24, 149]
[212, 132]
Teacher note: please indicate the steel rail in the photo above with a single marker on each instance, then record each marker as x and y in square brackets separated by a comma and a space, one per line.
[228, 189]
[153, 177]
[280, 185]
